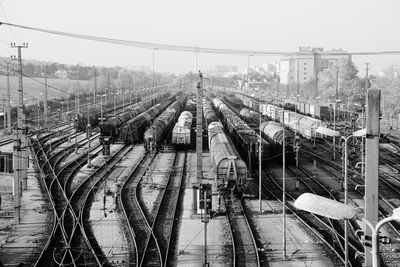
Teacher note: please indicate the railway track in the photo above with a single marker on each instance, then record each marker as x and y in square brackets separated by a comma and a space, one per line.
[71, 240]
[152, 233]
[388, 196]
[57, 249]
[319, 228]
[6, 142]
[164, 216]
[245, 251]
[135, 218]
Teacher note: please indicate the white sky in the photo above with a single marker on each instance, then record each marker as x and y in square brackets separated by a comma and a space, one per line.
[279, 25]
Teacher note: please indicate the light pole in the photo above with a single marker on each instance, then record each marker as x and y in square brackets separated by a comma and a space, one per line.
[346, 159]
[248, 72]
[153, 69]
[336, 210]
[283, 187]
[332, 133]
[259, 167]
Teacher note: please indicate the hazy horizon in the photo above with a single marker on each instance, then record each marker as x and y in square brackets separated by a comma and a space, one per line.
[253, 25]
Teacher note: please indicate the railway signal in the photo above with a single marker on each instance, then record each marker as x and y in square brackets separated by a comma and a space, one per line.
[205, 204]
[106, 150]
[205, 200]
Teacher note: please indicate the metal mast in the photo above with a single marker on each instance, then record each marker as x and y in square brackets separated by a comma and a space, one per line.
[8, 103]
[45, 107]
[199, 128]
[20, 142]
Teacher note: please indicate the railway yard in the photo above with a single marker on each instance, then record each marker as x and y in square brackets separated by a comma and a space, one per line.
[128, 193]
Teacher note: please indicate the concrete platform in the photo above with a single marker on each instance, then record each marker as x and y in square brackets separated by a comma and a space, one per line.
[191, 232]
[301, 249]
[24, 241]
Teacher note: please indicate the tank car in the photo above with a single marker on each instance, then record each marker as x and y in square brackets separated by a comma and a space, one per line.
[132, 131]
[273, 132]
[209, 113]
[249, 115]
[230, 169]
[181, 132]
[110, 129]
[301, 124]
[162, 124]
[87, 117]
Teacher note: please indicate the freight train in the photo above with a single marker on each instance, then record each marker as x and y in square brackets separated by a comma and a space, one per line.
[273, 132]
[246, 139]
[303, 125]
[155, 133]
[129, 126]
[230, 169]
[182, 130]
[93, 115]
[208, 112]
[322, 112]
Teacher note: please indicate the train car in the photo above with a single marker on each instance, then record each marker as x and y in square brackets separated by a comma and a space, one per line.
[250, 115]
[209, 113]
[88, 117]
[231, 170]
[234, 100]
[182, 129]
[110, 129]
[92, 116]
[155, 133]
[132, 131]
[245, 138]
[273, 132]
[302, 125]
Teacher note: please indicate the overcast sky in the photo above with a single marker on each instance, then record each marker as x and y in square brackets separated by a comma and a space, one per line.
[279, 25]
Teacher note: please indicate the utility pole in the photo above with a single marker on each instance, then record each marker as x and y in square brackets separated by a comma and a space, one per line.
[363, 115]
[95, 87]
[88, 133]
[371, 166]
[283, 189]
[45, 107]
[108, 88]
[199, 128]
[4, 112]
[8, 104]
[77, 104]
[114, 100]
[259, 167]
[20, 142]
[366, 76]
[298, 79]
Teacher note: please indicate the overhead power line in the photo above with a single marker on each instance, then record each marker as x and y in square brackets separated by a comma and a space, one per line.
[197, 49]
[149, 45]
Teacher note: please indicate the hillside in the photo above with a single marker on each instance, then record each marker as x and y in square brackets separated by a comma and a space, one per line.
[34, 89]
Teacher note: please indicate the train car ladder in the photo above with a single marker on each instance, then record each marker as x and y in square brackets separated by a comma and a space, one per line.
[231, 173]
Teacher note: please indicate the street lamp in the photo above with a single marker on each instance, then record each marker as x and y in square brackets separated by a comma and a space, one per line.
[333, 133]
[336, 210]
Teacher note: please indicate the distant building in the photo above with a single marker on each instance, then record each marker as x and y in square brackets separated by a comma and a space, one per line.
[223, 69]
[299, 67]
[392, 72]
[61, 74]
[271, 67]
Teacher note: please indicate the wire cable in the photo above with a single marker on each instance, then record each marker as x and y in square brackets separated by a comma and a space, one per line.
[196, 49]
[5, 16]
[149, 45]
